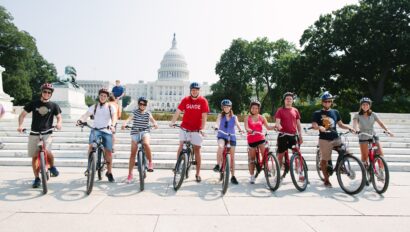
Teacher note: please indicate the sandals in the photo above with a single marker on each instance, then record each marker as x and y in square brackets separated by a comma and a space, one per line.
[198, 178]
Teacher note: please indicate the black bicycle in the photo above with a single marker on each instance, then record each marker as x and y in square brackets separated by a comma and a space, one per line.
[186, 158]
[142, 164]
[349, 169]
[96, 157]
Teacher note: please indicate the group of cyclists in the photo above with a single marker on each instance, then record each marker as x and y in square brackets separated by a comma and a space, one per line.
[195, 109]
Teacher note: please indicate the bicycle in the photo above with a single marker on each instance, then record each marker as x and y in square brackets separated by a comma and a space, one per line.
[96, 158]
[376, 169]
[346, 167]
[186, 158]
[297, 165]
[141, 158]
[270, 165]
[42, 157]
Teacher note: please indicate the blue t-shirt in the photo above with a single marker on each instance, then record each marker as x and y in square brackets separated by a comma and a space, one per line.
[117, 91]
[328, 119]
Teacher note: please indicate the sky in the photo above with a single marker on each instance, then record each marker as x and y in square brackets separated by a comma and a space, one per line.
[127, 39]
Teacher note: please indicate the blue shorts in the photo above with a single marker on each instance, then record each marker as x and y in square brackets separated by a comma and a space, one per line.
[106, 138]
[233, 142]
[139, 136]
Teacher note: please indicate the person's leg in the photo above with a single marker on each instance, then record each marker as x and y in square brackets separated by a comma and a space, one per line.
[221, 146]
[364, 152]
[325, 147]
[147, 147]
[251, 159]
[32, 151]
[131, 163]
[197, 151]
[233, 160]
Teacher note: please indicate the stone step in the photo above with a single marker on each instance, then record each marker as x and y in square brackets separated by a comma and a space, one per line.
[165, 164]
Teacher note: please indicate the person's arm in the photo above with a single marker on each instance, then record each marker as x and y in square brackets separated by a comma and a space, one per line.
[299, 127]
[153, 121]
[113, 118]
[355, 124]
[344, 126]
[126, 121]
[2, 111]
[245, 122]
[381, 124]
[84, 117]
[175, 117]
[277, 124]
[59, 121]
[265, 122]
[218, 121]
[238, 125]
[21, 120]
[204, 118]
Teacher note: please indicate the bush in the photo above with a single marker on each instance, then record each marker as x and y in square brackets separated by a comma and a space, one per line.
[306, 113]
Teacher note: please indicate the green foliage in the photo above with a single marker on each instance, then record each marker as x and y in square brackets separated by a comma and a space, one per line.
[124, 115]
[306, 112]
[25, 68]
[89, 101]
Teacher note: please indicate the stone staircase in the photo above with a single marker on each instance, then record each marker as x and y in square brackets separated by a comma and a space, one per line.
[70, 145]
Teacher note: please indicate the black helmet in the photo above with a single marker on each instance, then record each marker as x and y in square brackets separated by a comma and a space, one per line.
[104, 90]
[194, 85]
[226, 102]
[327, 96]
[256, 103]
[365, 99]
[288, 94]
[144, 99]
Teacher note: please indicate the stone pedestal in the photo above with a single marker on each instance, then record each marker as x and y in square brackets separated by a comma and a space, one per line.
[5, 99]
[70, 99]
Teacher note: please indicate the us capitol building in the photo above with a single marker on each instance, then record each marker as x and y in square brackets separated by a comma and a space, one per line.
[166, 92]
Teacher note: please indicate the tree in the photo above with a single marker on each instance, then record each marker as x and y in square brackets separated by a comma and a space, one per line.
[359, 50]
[26, 69]
[126, 101]
[89, 101]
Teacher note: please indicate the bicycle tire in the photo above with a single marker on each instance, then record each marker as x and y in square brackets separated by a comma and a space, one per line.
[141, 169]
[180, 170]
[380, 189]
[91, 172]
[296, 160]
[43, 172]
[225, 173]
[354, 165]
[272, 172]
[100, 163]
[318, 169]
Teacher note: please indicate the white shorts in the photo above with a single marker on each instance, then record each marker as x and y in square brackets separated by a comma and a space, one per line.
[194, 137]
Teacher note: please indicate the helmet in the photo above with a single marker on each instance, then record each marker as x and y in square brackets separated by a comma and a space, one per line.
[140, 99]
[226, 102]
[47, 86]
[326, 96]
[288, 94]
[104, 90]
[194, 85]
[255, 102]
[365, 99]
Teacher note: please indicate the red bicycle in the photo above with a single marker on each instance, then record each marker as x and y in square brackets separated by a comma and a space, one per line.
[376, 167]
[270, 165]
[297, 165]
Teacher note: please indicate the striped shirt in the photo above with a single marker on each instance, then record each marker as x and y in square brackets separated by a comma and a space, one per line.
[140, 121]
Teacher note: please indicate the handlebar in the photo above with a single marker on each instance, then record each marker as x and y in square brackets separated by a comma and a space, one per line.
[25, 131]
[139, 129]
[85, 124]
[179, 126]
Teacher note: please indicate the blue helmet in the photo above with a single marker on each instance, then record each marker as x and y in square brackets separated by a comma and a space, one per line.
[194, 85]
[140, 99]
[365, 100]
[226, 102]
[327, 96]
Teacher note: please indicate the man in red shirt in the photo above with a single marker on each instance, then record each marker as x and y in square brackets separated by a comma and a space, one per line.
[287, 120]
[195, 108]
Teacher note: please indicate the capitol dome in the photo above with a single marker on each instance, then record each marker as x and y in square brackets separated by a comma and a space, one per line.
[173, 65]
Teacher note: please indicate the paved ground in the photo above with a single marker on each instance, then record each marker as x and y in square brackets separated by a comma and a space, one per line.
[195, 207]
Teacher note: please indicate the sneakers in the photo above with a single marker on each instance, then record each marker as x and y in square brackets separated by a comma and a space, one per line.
[380, 175]
[36, 182]
[234, 180]
[129, 179]
[150, 167]
[216, 168]
[327, 184]
[110, 177]
[198, 178]
[252, 179]
[54, 172]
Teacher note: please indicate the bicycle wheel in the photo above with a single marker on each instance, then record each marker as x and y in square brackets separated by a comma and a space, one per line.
[141, 168]
[100, 163]
[91, 168]
[351, 174]
[381, 175]
[225, 170]
[43, 172]
[318, 169]
[180, 170]
[272, 171]
[299, 172]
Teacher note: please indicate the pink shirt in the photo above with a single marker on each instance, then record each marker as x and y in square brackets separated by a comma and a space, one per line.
[255, 126]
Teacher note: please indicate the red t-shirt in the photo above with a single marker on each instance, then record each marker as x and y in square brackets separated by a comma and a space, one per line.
[193, 109]
[288, 118]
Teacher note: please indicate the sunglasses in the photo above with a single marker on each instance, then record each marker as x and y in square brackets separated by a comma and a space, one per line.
[327, 101]
[47, 92]
[142, 104]
[226, 124]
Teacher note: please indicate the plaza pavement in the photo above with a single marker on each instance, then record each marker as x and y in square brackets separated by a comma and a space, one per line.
[195, 207]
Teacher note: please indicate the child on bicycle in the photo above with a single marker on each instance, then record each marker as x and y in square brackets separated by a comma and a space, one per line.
[254, 123]
[140, 129]
[226, 122]
[364, 120]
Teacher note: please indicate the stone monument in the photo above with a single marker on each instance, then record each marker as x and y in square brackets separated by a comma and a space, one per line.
[5, 99]
[69, 95]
